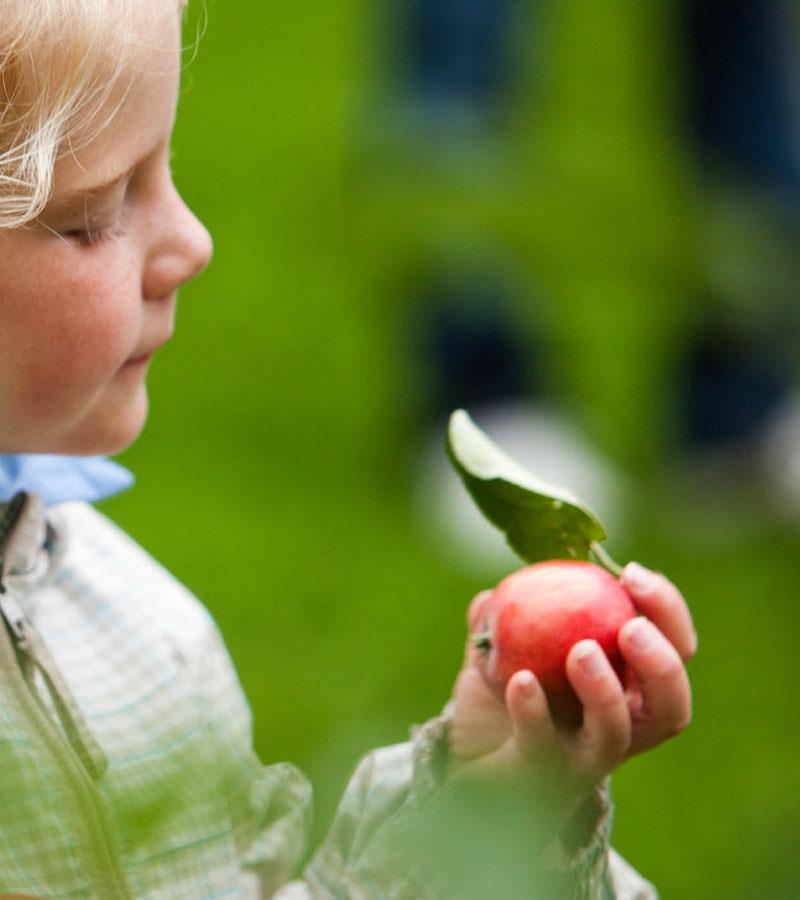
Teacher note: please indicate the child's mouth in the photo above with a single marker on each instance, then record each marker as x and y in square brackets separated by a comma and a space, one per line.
[139, 360]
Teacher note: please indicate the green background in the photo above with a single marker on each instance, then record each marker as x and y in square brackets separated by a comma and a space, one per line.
[277, 474]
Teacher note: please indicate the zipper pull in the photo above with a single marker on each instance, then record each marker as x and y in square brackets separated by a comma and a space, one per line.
[12, 612]
[10, 516]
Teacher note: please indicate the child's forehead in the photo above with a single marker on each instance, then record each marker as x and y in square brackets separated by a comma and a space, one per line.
[131, 128]
[135, 112]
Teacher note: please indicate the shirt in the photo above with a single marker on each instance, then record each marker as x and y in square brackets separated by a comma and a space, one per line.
[126, 760]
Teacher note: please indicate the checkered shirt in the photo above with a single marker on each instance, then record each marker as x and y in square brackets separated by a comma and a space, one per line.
[126, 761]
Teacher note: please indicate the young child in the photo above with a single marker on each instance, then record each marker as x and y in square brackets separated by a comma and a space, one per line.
[126, 765]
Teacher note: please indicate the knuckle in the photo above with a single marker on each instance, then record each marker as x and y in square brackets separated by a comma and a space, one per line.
[671, 594]
[671, 732]
[606, 702]
[691, 649]
[676, 724]
[610, 702]
[605, 754]
[682, 722]
[664, 591]
[669, 666]
[617, 744]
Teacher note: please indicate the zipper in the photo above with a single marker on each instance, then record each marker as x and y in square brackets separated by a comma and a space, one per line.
[19, 637]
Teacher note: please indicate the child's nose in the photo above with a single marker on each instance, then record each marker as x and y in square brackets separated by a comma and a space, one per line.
[181, 254]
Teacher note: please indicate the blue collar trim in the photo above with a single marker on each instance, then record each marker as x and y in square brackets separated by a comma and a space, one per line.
[61, 478]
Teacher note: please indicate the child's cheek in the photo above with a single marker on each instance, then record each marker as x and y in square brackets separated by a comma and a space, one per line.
[105, 324]
[88, 331]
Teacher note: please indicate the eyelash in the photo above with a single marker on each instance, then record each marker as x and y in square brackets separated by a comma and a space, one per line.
[91, 237]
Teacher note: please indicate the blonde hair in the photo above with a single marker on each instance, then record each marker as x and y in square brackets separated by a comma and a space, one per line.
[61, 63]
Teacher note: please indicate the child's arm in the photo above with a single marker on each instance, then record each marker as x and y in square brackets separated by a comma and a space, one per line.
[419, 796]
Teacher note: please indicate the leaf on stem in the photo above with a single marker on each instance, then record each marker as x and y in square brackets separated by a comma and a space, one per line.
[540, 521]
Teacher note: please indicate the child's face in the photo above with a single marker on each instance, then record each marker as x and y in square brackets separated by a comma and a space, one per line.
[82, 311]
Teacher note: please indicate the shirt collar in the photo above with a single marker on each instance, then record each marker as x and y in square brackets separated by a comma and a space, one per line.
[61, 478]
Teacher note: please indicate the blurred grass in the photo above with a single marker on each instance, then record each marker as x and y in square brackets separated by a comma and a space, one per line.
[276, 472]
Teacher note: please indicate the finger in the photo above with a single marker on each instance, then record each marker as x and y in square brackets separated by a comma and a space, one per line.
[532, 724]
[662, 680]
[658, 598]
[479, 721]
[476, 608]
[604, 738]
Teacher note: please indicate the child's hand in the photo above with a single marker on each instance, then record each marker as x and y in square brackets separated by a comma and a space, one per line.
[518, 737]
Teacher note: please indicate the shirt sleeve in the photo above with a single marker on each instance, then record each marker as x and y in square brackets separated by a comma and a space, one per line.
[269, 807]
[375, 847]
[371, 850]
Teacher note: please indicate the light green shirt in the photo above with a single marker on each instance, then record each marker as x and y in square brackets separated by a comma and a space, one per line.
[126, 761]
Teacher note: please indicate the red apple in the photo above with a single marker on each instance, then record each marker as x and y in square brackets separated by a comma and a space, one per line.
[536, 615]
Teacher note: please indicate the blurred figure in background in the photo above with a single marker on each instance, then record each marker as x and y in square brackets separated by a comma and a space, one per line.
[740, 406]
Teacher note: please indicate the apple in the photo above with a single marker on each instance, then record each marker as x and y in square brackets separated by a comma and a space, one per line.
[535, 616]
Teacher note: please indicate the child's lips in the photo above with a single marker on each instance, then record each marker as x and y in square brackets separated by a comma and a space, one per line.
[139, 360]
[146, 355]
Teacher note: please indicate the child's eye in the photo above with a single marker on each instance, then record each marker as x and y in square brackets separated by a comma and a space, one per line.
[90, 237]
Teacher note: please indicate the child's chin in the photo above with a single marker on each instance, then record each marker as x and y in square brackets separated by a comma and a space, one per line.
[111, 435]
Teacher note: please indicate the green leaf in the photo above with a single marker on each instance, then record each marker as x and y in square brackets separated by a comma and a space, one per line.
[540, 521]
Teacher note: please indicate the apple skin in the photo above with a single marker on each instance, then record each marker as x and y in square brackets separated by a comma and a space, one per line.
[536, 615]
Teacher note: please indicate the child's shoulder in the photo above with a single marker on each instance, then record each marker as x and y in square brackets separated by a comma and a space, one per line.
[103, 566]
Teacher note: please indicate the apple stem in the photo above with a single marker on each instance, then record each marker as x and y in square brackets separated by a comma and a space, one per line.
[604, 559]
[482, 641]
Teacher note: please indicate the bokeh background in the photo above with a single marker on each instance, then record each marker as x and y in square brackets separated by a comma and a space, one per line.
[577, 220]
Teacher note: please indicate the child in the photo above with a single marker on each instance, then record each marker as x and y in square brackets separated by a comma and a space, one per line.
[126, 767]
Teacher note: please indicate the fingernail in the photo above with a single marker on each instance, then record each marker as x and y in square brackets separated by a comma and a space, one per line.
[590, 659]
[642, 635]
[526, 683]
[638, 578]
